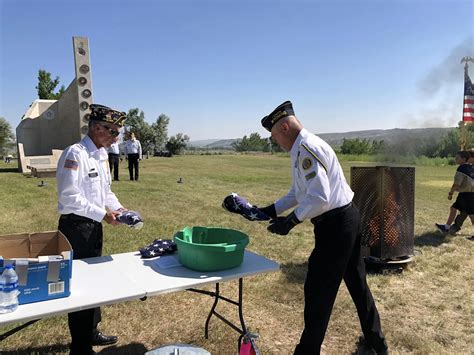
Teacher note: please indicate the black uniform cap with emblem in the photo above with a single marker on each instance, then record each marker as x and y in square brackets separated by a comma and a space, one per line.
[284, 110]
[107, 114]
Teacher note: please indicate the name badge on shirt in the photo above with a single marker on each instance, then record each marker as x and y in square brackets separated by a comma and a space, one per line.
[94, 174]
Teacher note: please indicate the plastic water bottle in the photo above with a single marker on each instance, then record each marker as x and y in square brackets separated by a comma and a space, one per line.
[8, 290]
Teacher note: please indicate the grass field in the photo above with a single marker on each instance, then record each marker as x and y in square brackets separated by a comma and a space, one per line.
[428, 309]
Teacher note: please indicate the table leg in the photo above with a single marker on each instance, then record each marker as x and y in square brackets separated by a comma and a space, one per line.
[243, 330]
[17, 329]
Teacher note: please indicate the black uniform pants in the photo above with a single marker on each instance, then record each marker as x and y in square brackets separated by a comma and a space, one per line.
[114, 165]
[337, 256]
[133, 165]
[85, 236]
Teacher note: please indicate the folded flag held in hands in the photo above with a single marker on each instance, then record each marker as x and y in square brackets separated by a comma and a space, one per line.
[131, 218]
[237, 204]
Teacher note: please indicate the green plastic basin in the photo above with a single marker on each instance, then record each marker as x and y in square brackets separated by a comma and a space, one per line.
[210, 249]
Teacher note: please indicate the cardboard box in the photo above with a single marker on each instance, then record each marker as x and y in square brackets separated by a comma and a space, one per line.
[43, 262]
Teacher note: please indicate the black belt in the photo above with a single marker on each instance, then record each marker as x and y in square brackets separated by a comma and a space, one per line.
[330, 213]
[114, 154]
[75, 217]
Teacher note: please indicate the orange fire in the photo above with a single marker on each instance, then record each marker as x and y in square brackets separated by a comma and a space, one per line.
[391, 215]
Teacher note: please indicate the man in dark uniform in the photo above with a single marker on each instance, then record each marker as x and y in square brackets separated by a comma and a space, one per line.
[84, 201]
[320, 193]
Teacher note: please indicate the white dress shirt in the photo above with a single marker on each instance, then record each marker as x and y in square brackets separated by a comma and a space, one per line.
[83, 179]
[318, 183]
[114, 148]
[133, 146]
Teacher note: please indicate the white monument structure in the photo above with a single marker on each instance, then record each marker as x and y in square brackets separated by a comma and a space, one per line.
[49, 126]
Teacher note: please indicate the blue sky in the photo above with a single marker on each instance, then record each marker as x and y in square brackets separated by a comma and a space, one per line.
[217, 67]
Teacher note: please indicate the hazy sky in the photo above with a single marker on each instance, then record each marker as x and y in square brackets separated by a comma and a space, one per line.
[217, 67]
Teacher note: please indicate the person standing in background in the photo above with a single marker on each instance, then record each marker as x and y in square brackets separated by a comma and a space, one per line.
[114, 159]
[133, 149]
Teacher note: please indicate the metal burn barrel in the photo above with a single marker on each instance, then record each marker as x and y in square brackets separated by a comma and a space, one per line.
[385, 196]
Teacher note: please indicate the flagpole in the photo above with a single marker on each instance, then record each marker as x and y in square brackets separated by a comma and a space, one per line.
[462, 124]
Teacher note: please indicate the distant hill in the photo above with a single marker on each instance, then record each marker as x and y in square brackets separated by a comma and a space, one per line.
[390, 136]
[201, 143]
[214, 143]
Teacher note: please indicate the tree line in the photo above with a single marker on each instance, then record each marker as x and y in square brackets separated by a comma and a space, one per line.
[445, 147]
[153, 138]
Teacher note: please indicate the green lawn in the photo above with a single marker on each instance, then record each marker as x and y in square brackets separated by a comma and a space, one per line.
[429, 308]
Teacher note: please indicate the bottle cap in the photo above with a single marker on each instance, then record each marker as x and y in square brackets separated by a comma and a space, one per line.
[9, 266]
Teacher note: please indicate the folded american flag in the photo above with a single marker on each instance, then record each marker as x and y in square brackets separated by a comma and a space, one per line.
[237, 204]
[131, 218]
[159, 247]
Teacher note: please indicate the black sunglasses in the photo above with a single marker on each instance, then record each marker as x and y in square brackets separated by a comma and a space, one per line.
[112, 131]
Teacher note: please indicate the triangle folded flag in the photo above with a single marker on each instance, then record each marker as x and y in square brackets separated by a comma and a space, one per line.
[159, 247]
[237, 204]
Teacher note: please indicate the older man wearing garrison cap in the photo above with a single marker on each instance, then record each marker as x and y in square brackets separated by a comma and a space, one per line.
[320, 193]
[84, 201]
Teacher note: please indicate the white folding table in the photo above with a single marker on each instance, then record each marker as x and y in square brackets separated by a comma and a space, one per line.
[123, 277]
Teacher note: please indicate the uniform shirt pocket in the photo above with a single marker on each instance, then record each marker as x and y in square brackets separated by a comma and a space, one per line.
[93, 185]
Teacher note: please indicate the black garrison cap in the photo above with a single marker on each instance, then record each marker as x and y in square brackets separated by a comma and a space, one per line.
[106, 114]
[284, 110]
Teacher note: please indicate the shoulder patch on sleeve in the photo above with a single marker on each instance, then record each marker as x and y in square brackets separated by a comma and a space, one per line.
[306, 164]
[313, 154]
[71, 164]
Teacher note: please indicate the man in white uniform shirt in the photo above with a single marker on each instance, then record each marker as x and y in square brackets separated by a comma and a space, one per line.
[133, 149]
[114, 160]
[84, 201]
[320, 193]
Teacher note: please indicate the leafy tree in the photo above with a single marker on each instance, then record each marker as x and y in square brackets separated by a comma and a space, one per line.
[378, 147]
[362, 146]
[6, 137]
[355, 146]
[450, 143]
[136, 123]
[253, 143]
[46, 86]
[177, 143]
[159, 131]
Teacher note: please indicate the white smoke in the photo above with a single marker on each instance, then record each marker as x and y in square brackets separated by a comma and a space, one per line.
[449, 71]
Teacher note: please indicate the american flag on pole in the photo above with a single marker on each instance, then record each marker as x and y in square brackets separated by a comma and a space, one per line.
[468, 110]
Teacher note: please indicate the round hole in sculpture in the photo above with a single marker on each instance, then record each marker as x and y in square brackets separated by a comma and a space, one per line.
[82, 81]
[86, 93]
[81, 51]
[84, 68]
[84, 105]
[86, 118]
[84, 129]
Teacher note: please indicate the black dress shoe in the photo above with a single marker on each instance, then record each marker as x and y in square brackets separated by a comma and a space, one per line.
[99, 339]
